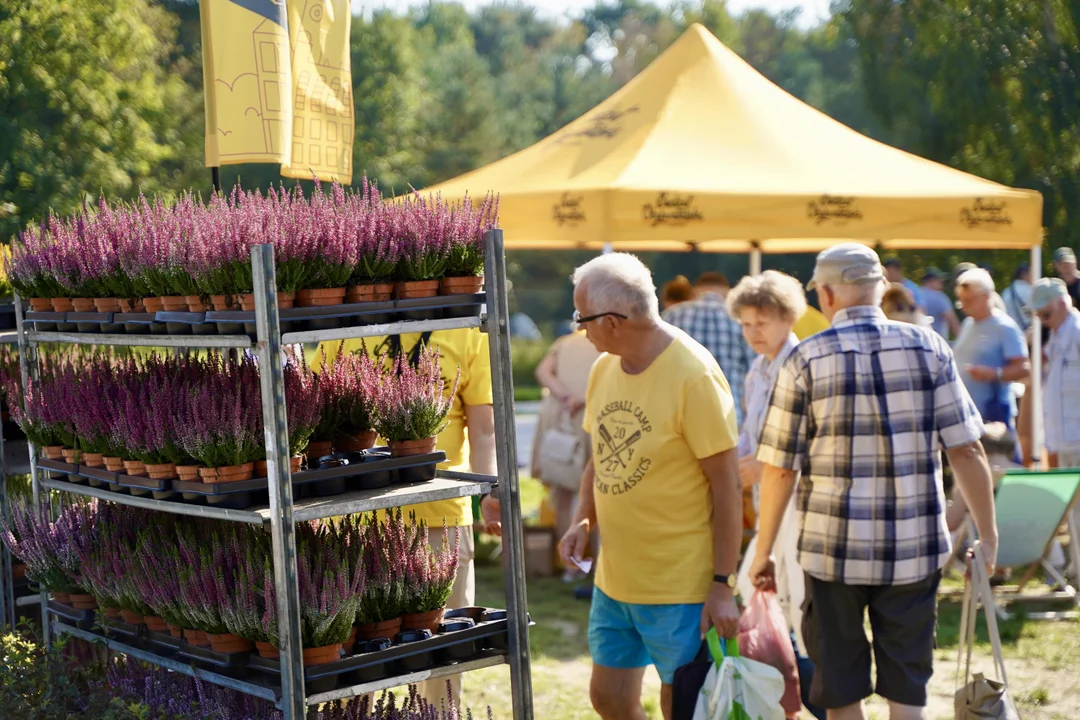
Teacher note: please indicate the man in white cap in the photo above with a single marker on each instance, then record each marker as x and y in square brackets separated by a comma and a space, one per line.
[1051, 301]
[863, 410]
[1065, 267]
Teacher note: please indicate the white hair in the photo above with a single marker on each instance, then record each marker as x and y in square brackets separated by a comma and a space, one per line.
[867, 293]
[619, 282]
[976, 279]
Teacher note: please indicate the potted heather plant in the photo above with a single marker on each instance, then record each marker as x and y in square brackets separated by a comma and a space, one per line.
[304, 411]
[348, 386]
[382, 603]
[42, 545]
[158, 570]
[334, 229]
[465, 245]
[377, 251]
[208, 587]
[37, 418]
[222, 425]
[422, 259]
[429, 580]
[411, 405]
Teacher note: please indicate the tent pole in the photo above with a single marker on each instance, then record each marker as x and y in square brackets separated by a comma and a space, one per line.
[607, 249]
[755, 258]
[1036, 364]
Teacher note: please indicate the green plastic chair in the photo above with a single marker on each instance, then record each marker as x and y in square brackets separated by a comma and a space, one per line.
[1031, 506]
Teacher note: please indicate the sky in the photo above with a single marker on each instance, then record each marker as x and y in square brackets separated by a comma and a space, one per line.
[812, 10]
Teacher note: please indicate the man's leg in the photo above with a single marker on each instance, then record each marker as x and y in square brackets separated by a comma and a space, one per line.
[672, 636]
[851, 712]
[462, 595]
[903, 619]
[616, 693]
[836, 643]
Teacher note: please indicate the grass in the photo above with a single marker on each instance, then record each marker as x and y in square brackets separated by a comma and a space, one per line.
[1041, 656]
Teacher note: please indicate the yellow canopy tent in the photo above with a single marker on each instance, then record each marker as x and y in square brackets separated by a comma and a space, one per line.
[700, 149]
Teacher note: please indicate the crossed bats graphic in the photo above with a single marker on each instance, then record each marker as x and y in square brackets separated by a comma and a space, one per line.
[615, 456]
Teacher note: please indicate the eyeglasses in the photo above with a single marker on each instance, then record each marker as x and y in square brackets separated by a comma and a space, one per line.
[578, 321]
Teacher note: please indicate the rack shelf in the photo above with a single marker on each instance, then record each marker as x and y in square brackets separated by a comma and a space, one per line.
[410, 679]
[349, 503]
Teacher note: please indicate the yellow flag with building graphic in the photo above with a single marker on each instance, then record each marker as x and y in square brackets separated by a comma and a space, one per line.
[278, 85]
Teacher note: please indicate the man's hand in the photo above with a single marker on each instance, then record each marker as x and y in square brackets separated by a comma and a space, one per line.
[491, 512]
[989, 551]
[750, 471]
[720, 612]
[574, 543]
[982, 373]
[763, 573]
[572, 404]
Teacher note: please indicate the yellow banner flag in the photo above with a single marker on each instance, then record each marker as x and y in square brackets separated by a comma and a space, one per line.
[278, 85]
[323, 119]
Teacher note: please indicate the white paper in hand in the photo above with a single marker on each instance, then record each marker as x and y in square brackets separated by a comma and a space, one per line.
[584, 565]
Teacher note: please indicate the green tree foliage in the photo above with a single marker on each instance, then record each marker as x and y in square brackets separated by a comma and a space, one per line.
[88, 105]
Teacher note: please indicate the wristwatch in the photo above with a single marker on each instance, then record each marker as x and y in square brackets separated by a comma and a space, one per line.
[1000, 374]
[728, 580]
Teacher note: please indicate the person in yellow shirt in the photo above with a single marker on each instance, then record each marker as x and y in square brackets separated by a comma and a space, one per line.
[662, 487]
[811, 323]
[468, 441]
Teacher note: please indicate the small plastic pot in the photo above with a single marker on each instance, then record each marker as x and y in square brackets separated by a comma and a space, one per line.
[429, 621]
[72, 456]
[114, 464]
[174, 303]
[83, 601]
[152, 304]
[62, 305]
[197, 638]
[320, 297]
[132, 618]
[321, 655]
[358, 442]
[195, 303]
[107, 305]
[229, 643]
[416, 289]
[42, 305]
[464, 285]
[83, 305]
[266, 650]
[263, 470]
[135, 468]
[318, 449]
[156, 624]
[372, 631]
[165, 471]
[188, 473]
[93, 460]
[408, 448]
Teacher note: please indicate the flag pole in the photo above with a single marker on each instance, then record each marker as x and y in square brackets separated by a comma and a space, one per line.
[215, 177]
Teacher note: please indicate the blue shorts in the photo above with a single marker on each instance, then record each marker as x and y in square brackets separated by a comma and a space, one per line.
[626, 635]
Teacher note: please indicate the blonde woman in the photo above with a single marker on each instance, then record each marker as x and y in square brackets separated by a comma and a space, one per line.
[768, 306]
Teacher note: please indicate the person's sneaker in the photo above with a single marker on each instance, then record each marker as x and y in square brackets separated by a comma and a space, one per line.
[584, 592]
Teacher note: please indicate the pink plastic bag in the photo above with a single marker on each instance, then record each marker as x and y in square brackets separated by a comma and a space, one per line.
[764, 636]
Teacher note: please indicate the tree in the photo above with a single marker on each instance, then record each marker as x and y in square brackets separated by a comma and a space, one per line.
[86, 105]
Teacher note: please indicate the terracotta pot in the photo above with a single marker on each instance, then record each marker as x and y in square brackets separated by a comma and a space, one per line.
[61, 304]
[83, 305]
[227, 473]
[286, 300]
[355, 443]
[188, 473]
[111, 613]
[18, 570]
[221, 302]
[229, 643]
[152, 304]
[266, 650]
[321, 655]
[174, 303]
[246, 301]
[317, 448]
[416, 289]
[320, 297]
[423, 621]
[405, 448]
[132, 618]
[165, 471]
[93, 460]
[61, 597]
[107, 305]
[41, 304]
[263, 470]
[174, 630]
[53, 452]
[72, 456]
[195, 303]
[197, 638]
[156, 624]
[128, 305]
[350, 644]
[135, 468]
[384, 629]
[83, 601]
[465, 285]
[377, 292]
[114, 464]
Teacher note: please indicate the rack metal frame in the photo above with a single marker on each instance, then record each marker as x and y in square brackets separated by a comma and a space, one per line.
[282, 512]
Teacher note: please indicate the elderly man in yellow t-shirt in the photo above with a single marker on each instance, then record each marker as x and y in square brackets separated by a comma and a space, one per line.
[468, 441]
[662, 486]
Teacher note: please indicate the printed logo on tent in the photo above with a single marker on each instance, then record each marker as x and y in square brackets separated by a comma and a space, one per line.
[671, 209]
[836, 209]
[569, 210]
[605, 125]
[985, 212]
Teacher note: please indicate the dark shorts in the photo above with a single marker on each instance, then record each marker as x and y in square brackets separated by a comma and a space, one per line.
[903, 620]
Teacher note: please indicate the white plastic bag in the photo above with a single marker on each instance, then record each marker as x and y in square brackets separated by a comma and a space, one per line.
[741, 689]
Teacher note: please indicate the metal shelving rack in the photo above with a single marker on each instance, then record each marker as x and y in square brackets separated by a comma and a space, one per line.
[13, 461]
[282, 512]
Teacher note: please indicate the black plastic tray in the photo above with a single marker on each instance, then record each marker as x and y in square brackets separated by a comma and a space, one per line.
[122, 631]
[82, 619]
[130, 481]
[163, 643]
[103, 476]
[234, 665]
[58, 466]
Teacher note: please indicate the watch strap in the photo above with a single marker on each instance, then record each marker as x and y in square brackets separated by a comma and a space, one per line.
[728, 580]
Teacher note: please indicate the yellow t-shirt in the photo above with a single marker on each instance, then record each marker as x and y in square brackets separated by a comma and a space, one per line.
[811, 323]
[653, 502]
[467, 349]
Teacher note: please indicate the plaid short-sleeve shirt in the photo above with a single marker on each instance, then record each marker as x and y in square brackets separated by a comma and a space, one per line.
[863, 410]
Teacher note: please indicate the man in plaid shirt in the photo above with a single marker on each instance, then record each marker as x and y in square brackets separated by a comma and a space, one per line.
[706, 320]
[862, 411]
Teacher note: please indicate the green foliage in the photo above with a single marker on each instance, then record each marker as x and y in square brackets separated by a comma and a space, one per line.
[90, 105]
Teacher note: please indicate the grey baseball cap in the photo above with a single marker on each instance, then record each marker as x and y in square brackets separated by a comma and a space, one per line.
[1046, 291]
[1064, 254]
[846, 264]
